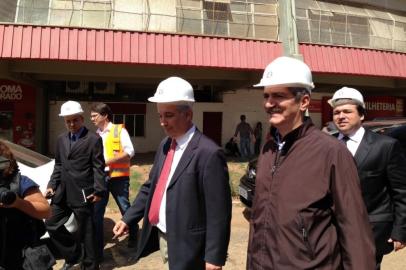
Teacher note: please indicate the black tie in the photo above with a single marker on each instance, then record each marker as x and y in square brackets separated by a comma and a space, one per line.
[345, 139]
[72, 140]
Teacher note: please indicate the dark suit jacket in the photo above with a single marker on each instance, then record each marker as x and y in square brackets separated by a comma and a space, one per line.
[198, 207]
[382, 172]
[399, 133]
[77, 167]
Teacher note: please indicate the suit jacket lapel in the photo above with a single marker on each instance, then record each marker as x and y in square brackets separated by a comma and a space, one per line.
[363, 149]
[66, 144]
[186, 157]
[79, 141]
[162, 157]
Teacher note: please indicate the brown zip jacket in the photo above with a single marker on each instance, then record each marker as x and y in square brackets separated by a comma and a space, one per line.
[308, 211]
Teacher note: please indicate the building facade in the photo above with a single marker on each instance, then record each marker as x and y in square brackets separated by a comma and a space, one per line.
[117, 51]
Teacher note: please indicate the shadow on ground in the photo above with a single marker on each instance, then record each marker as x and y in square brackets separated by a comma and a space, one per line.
[116, 251]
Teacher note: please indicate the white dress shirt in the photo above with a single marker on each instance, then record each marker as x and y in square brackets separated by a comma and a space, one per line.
[125, 141]
[354, 140]
[181, 144]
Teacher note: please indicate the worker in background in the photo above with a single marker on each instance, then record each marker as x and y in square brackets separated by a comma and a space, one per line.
[118, 150]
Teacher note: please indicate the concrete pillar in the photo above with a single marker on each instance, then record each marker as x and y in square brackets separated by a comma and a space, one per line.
[288, 31]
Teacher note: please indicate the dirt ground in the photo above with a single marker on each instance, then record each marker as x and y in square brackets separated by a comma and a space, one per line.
[118, 256]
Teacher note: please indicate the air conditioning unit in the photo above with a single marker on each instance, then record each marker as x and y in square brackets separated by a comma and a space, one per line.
[104, 88]
[76, 87]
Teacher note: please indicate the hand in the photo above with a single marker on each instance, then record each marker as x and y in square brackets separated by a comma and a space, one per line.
[210, 266]
[49, 193]
[120, 228]
[397, 245]
[93, 198]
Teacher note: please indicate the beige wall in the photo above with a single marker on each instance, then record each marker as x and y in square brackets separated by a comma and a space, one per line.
[235, 103]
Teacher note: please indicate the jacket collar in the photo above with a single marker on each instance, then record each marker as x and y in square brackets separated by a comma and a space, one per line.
[292, 136]
[363, 148]
[186, 157]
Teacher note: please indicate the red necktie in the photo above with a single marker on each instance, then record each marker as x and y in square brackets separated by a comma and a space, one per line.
[153, 214]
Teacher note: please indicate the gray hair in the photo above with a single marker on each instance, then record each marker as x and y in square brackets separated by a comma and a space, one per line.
[299, 92]
[184, 106]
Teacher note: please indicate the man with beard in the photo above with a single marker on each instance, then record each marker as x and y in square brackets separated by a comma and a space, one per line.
[308, 211]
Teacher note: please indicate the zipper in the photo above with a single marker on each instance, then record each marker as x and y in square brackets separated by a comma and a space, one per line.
[305, 235]
[276, 162]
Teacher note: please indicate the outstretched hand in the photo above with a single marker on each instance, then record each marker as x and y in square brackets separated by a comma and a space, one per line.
[120, 228]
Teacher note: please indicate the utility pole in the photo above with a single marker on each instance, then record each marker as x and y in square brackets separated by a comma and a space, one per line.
[288, 31]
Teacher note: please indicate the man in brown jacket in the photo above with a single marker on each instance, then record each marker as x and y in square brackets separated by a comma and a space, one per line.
[308, 211]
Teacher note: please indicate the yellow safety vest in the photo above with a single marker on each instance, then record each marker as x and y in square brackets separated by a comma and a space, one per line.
[113, 148]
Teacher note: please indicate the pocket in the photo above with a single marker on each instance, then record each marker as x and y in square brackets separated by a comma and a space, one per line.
[305, 236]
[197, 230]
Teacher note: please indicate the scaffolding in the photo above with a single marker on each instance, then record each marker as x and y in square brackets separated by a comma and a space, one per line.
[233, 18]
[339, 24]
[317, 21]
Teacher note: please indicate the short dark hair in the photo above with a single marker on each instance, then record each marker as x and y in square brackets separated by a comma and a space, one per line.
[6, 153]
[361, 110]
[102, 109]
[242, 117]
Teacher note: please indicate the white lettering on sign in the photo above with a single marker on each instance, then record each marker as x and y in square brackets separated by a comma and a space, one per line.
[11, 92]
[380, 106]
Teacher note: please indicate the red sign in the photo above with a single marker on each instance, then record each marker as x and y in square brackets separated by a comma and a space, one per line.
[17, 108]
[315, 106]
[383, 107]
[377, 106]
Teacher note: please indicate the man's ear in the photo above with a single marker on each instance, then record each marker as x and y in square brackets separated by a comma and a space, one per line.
[304, 102]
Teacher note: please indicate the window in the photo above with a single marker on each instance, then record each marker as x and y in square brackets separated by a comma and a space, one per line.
[216, 16]
[134, 123]
[32, 11]
[235, 18]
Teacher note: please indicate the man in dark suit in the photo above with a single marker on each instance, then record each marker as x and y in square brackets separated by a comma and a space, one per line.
[76, 183]
[186, 202]
[381, 168]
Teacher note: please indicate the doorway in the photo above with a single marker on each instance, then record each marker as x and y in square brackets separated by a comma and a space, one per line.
[6, 126]
[212, 125]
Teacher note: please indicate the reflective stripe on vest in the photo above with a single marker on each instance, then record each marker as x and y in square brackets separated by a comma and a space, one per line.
[113, 148]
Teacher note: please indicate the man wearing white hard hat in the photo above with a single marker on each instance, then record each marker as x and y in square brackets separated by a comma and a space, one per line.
[305, 182]
[381, 168]
[186, 203]
[76, 183]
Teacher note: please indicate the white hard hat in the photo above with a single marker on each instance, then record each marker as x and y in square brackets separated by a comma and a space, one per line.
[173, 89]
[347, 93]
[70, 108]
[287, 72]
